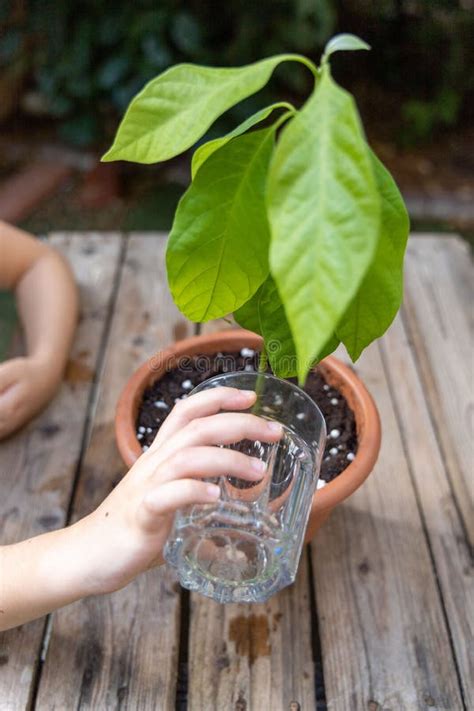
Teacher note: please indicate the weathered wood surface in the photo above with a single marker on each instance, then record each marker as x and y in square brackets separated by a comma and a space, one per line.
[439, 313]
[390, 570]
[37, 466]
[120, 651]
[257, 656]
[452, 559]
[384, 639]
[253, 656]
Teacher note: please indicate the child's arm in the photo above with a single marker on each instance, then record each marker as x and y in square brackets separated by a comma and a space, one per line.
[47, 303]
[126, 534]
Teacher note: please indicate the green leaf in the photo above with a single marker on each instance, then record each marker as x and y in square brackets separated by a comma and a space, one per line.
[217, 254]
[248, 316]
[202, 153]
[324, 215]
[341, 43]
[174, 110]
[265, 314]
[380, 294]
[328, 348]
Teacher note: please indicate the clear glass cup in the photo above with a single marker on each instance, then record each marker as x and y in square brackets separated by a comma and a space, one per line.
[247, 546]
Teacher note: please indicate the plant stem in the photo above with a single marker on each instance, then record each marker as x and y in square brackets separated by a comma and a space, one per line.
[285, 105]
[304, 60]
[262, 368]
[284, 117]
[263, 361]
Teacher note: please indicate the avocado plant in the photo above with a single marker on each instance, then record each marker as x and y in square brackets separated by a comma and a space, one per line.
[295, 227]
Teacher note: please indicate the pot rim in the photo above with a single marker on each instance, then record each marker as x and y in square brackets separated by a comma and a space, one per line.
[337, 373]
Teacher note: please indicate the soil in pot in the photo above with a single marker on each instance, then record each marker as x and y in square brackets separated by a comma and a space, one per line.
[160, 398]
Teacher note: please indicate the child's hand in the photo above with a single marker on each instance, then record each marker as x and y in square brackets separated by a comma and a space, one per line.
[126, 534]
[26, 385]
[47, 304]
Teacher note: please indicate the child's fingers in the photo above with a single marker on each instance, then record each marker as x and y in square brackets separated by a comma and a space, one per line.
[209, 462]
[203, 404]
[167, 498]
[224, 428]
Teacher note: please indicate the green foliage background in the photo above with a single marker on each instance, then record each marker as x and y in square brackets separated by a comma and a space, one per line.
[7, 322]
[85, 60]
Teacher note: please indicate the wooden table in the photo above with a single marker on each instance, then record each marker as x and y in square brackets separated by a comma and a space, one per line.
[381, 604]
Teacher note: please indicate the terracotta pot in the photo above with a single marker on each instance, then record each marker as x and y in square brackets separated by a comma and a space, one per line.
[336, 374]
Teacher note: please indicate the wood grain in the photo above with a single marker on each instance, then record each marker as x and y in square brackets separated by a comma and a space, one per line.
[384, 640]
[257, 656]
[120, 651]
[37, 466]
[450, 550]
[439, 316]
[390, 568]
[253, 657]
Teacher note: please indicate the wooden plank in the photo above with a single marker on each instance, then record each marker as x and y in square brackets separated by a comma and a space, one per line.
[448, 544]
[120, 650]
[253, 657]
[258, 656]
[383, 635]
[439, 317]
[38, 465]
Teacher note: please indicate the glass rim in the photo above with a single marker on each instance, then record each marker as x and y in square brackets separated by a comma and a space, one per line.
[269, 377]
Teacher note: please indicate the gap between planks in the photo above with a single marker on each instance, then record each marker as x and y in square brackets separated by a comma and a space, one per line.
[383, 632]
[438, 316]
[40, 460]
[90, 410]
[121, 646]
[441, 519]
[426, 534]
[259, 656]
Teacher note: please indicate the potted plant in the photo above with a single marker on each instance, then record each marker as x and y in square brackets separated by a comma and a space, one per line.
[296, 228]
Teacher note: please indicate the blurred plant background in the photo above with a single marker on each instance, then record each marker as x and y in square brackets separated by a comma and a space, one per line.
[68, 70]
[81, 62]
